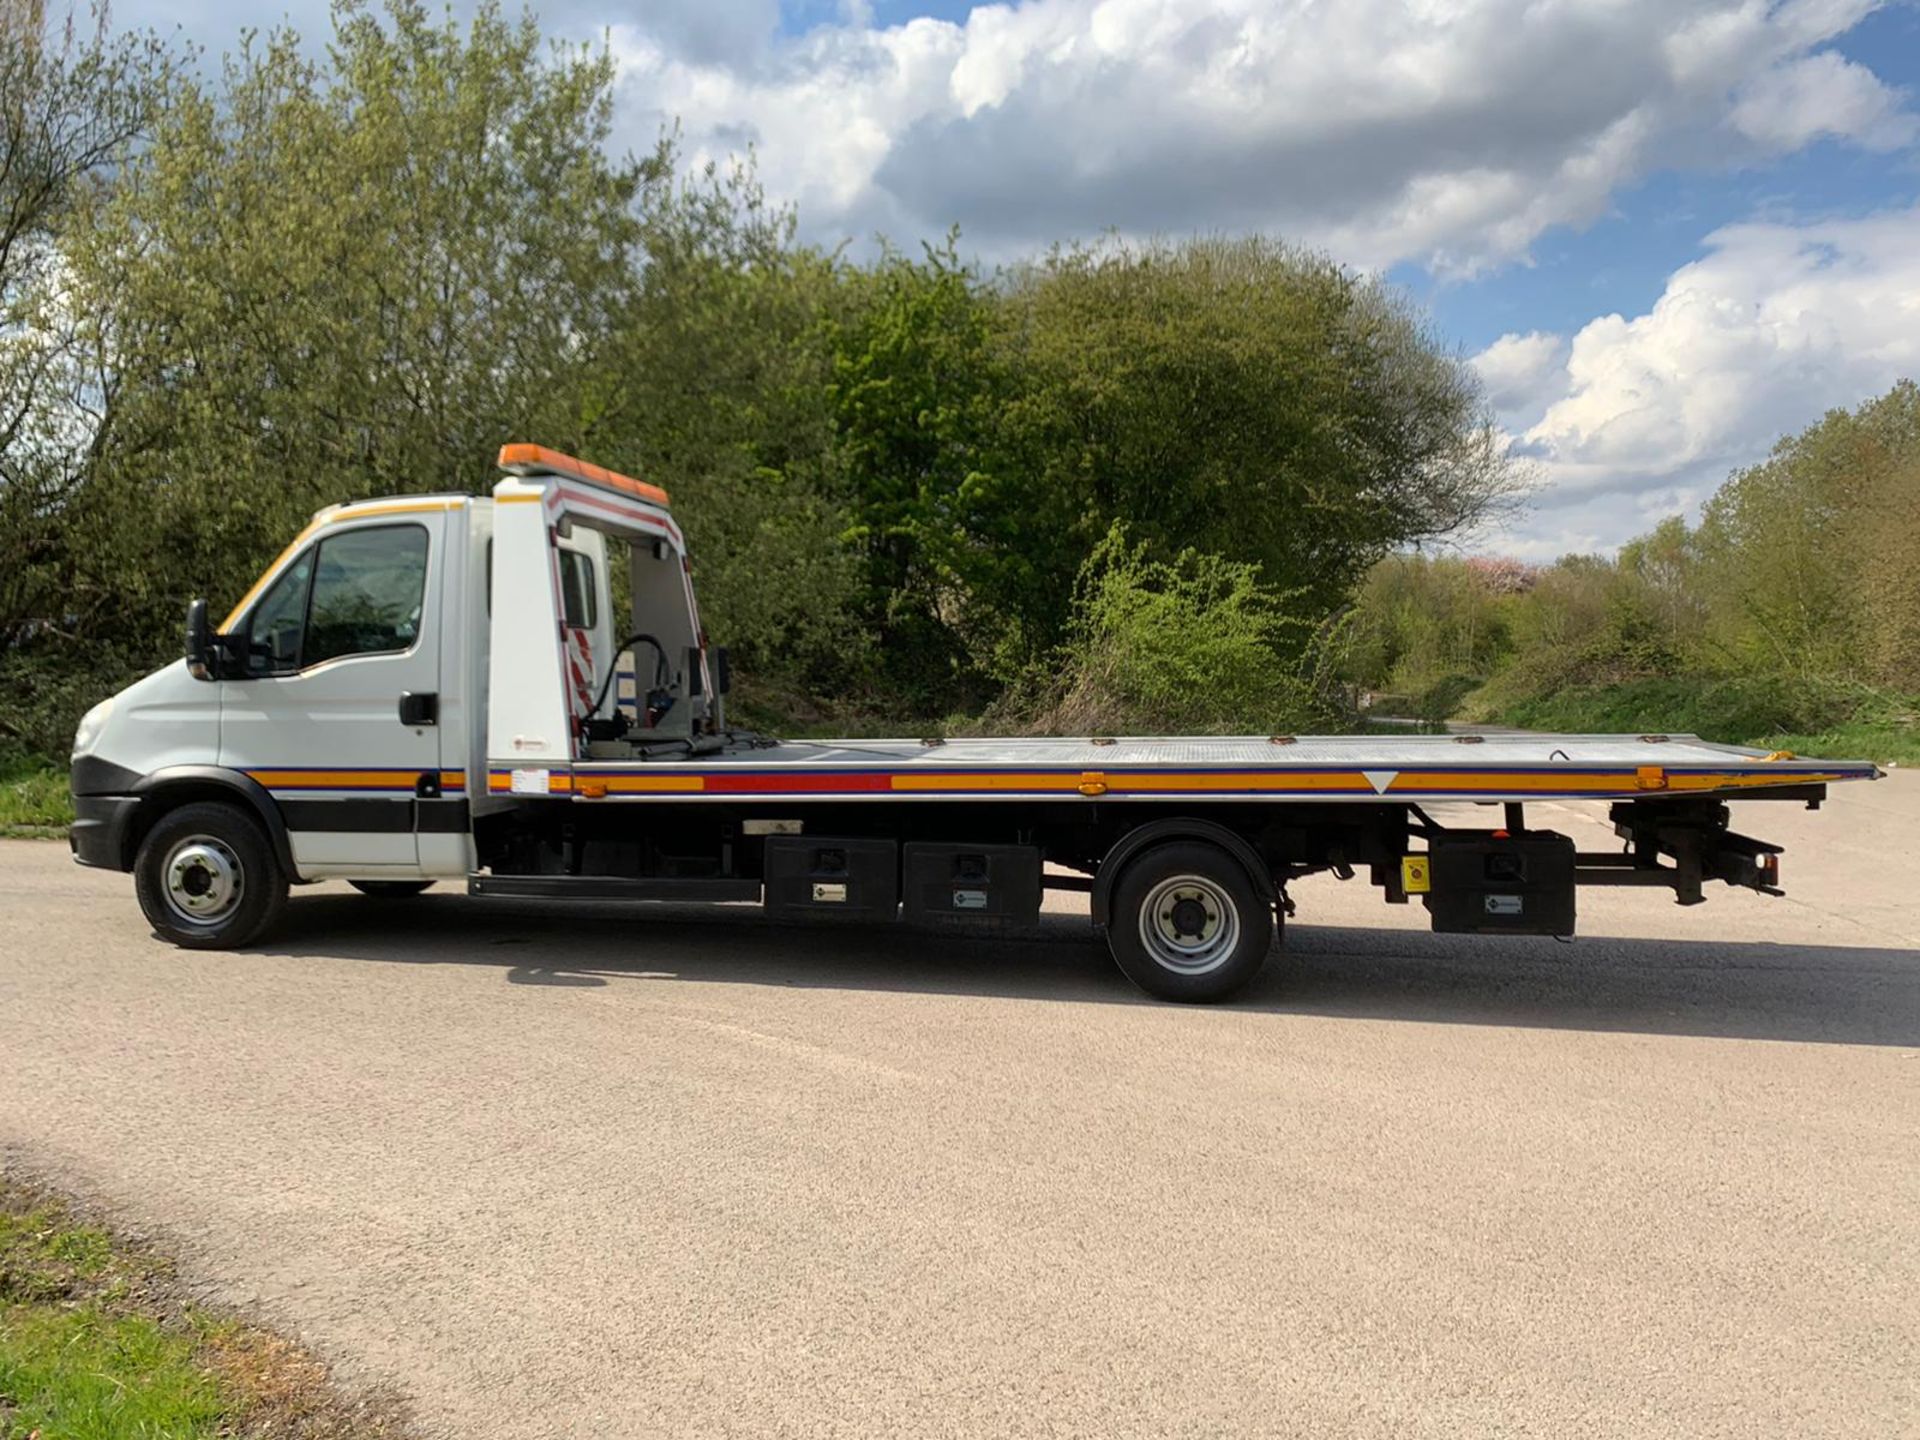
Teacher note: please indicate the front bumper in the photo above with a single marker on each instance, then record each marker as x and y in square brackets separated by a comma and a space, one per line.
[99, 833]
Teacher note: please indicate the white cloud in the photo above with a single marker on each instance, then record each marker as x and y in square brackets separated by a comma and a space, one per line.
[1447, 133]
[1522, 373]
[1822, 95]
[1776, 324]
[705, 31]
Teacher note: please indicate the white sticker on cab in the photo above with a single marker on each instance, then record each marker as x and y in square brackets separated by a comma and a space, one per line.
[530, 782]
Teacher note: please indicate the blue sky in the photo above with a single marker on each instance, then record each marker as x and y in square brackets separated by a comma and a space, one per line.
[1664, 231]
[1621, 263]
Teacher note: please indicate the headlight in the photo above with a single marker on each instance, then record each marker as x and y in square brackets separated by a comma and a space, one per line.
[91, 724]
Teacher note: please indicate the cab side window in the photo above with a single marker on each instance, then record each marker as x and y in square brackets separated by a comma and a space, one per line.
[368, 588]
[358, 593]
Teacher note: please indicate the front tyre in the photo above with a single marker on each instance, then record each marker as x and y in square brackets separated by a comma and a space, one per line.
[208, 879]
[1188, 923]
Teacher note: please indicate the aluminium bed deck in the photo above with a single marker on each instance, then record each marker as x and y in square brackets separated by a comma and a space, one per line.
[1217, 769]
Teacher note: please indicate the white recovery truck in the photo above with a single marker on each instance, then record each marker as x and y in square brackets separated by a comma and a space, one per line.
[439, 688]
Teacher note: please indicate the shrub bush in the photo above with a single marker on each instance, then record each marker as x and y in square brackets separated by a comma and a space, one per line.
[1194, 645]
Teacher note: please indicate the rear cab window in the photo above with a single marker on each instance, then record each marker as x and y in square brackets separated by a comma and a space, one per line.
[577, 592]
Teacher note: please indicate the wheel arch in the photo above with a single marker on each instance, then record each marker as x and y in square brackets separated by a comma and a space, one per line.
[1156, 832]
[176, 785]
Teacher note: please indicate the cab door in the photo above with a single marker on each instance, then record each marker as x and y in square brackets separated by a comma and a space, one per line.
[337, 714]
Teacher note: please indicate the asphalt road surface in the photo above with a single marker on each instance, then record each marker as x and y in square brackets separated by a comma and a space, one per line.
[656, 1172]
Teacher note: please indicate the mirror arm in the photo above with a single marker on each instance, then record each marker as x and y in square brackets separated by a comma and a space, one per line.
[230, 656]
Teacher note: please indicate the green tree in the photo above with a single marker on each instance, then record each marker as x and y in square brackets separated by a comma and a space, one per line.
[1237, 398]
[1793, 607]
[1807, 558]
[329, 279]
[916, 392]
[74, 101]
[326, 276]
[1233, 398]
[1425, 629]
[717, 384]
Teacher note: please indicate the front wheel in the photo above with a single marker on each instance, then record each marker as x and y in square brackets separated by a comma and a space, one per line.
[390, 889]
[1188, 923]
[207, 878]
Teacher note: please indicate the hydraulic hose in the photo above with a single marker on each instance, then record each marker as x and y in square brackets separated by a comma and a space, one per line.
[661, 671]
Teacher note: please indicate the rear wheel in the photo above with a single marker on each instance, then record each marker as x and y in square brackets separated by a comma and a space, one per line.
[390, 889]
[1188, 923]
[207, 878]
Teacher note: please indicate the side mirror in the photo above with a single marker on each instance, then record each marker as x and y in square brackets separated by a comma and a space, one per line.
[200, 652]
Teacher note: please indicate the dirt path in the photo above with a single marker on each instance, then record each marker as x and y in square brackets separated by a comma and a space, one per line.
[642, 1173]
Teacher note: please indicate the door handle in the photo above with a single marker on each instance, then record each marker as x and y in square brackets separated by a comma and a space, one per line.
[419, 707]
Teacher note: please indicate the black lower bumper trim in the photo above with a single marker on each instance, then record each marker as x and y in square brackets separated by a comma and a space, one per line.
[99, 833]
[94, 776]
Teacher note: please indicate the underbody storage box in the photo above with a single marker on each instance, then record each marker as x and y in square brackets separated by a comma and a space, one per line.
[808, 874]
[1491, 883]
[995, 883]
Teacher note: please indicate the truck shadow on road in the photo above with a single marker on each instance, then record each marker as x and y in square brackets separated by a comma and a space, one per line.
[1747, 990]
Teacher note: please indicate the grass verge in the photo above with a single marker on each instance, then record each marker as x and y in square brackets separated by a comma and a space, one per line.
[98, 1343]
[1882, 744]
[34, 799]
[1824, 720]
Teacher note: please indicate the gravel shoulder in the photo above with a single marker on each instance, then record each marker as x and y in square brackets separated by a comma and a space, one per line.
[652, 1172]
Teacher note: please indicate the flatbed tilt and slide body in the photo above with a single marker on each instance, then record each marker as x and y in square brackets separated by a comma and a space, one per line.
[515, 692]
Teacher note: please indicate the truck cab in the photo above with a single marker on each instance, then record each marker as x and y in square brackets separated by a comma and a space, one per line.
[348, 706]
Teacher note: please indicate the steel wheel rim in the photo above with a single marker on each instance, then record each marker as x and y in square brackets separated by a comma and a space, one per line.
[204, 880]
[1189, 924]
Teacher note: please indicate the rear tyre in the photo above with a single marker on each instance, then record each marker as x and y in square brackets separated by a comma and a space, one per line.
[1188, 923]
[390, 889]
[207, 878]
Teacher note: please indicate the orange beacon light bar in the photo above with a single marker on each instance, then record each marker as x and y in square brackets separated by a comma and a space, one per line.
[539, 460]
